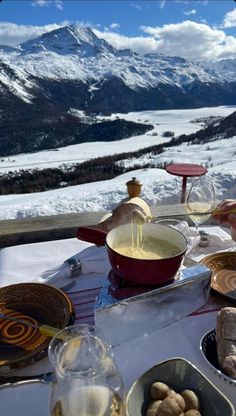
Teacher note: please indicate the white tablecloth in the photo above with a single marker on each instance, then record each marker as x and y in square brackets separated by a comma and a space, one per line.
[133, 358]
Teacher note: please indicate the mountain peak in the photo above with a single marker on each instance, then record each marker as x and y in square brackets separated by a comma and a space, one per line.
[76, 39]
[84, 33]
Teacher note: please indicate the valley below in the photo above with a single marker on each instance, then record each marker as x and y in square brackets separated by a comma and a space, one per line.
[142, 156]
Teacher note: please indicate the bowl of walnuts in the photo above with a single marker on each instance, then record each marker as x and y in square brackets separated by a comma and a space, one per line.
[176, 388]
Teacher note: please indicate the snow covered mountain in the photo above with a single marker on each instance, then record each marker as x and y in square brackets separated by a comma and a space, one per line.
[78, 40]
[71, 68]
[225, 67]
[76, 53]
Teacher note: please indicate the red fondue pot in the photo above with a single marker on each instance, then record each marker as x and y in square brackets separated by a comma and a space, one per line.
[138, 270]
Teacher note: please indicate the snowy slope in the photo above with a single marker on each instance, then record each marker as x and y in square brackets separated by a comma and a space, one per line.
[226, 67]
[16, 81]
[158, 186]
[178, 121]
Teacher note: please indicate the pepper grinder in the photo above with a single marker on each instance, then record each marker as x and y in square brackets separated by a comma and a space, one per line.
[134, 187]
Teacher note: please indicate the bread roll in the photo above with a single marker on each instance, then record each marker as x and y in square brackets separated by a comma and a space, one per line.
[226, 340]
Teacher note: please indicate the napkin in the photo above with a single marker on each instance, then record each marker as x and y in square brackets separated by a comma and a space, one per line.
[219, 238]
[90, 260]
[45, 262]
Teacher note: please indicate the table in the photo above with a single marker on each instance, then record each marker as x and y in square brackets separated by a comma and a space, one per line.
[185, 170]
[133, 357]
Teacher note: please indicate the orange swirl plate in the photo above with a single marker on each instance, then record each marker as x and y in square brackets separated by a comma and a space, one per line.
[37, 304]
[223, 266]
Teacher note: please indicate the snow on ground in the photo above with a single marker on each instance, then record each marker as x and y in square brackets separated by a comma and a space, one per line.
[159, 187]
[207, 154]
[177, 121]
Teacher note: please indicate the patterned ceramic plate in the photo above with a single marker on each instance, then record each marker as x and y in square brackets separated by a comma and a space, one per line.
[208, 347]
[223, 280]
[37, 303]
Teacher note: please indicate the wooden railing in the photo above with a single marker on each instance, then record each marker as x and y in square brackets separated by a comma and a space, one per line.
[31, 230]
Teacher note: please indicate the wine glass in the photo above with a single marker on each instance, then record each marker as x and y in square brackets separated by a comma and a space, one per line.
[86, 380]
[200, 200]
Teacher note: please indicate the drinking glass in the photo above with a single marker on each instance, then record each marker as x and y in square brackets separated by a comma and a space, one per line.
[200, 200]
[86, 380]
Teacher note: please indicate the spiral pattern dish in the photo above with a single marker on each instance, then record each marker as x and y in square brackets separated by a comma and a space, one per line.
[223, 266]
[37, 304]
[16, 335]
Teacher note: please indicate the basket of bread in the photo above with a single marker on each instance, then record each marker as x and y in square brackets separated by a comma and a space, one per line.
[218, 346]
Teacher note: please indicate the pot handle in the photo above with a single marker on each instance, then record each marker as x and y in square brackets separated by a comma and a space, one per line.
[92, 235]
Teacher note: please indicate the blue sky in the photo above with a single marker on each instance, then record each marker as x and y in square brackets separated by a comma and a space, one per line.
[167, 26]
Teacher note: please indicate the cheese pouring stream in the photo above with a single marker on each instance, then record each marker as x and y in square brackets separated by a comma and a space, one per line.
[133, 208]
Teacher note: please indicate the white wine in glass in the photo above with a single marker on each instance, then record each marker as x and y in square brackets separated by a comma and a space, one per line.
[93, 400]
[86, 380]
[200, 200]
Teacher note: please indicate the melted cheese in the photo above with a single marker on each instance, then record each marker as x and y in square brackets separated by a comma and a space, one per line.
[150, 248]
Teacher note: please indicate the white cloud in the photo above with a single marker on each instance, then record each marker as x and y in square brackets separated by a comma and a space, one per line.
[230, 19]
[182, 1]
[189, 12]
[201, 2]
[115, 26]
[45, 3]
[12, 34]
[40, 3]
[188, 39]
[162, 4]
[192, 40]
[137, 6]
[140, 44]
[59, 4]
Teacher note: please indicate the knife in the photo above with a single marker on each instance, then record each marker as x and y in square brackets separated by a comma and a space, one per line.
[46, 330]
[7, 381]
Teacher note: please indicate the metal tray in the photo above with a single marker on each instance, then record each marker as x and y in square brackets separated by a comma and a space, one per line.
[121, 321]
